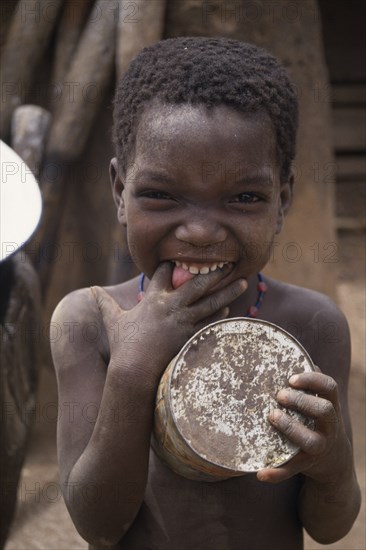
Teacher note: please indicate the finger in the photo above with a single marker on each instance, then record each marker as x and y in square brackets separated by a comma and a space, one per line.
[318, 383]
[108, 307]
[162, 278]
[310, 441]
[209, 305]
[218, 316]
[194, 289]
[286, 471]
[312, 406]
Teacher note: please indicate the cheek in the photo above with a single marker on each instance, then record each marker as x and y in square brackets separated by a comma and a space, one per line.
[257, 254]
[143, 240]
[138, 242]
[256, 247]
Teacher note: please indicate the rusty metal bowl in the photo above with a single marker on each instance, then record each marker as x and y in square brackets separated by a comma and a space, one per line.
[213, 401]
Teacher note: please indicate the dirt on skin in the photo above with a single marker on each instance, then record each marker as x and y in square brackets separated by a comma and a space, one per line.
[42, 521]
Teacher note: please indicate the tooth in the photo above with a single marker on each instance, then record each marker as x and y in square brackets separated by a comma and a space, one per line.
[204, 270]
[177, 263]
[193, 270]
[213, 267]
[185, 266]
[220, 265]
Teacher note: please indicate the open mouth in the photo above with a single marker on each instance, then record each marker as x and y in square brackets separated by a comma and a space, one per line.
[203, 269]
[184, 271]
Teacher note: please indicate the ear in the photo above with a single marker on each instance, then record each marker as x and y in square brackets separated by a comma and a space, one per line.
[117, 191]
[285, 201]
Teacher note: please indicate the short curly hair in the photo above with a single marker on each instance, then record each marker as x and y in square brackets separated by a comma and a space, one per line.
[211, 72]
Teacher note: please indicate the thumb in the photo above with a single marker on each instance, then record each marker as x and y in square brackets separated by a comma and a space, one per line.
[162, 278]
[110, 310]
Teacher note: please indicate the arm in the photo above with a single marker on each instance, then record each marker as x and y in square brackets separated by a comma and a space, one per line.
[330, 497]
[104, 444]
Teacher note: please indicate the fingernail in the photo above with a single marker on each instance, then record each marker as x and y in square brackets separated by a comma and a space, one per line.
[275, 414]
[261, 475]
[282, 393]
[244, 283]
[293, 379]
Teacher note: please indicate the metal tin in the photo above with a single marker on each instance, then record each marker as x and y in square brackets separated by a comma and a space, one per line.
[213, 401]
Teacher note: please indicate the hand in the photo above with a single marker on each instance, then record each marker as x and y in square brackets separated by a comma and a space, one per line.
[152, 332]
[325, 451]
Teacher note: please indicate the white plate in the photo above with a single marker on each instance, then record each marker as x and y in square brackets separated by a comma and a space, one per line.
[20, 202]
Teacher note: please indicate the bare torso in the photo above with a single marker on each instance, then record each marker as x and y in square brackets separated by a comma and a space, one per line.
[180, 514]
[235, 514]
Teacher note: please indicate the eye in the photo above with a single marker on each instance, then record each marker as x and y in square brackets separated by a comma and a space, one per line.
[246, 198]
[159, 195]
[155, 199]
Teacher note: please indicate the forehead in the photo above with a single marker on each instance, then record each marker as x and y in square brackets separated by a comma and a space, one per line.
[187, 135]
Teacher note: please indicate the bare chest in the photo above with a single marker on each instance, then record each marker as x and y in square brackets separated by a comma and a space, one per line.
[229, 515]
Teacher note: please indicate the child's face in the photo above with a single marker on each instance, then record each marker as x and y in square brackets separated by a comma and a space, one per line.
[203, 188]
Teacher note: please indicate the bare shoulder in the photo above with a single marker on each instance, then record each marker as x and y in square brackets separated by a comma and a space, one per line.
[78, 306]
[304, 300]
[317, 322]
[77, 324]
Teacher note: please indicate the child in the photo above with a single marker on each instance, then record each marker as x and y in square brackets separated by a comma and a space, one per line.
[205, 135]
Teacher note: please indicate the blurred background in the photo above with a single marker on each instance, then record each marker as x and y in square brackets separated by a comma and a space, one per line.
[60, 60]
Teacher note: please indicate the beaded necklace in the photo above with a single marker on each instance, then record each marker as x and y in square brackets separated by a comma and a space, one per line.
[252, 310]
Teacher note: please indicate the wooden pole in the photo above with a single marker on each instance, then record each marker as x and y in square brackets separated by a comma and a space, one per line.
[140, 23]
[29, 129]
[73, 19]
[85, 84]
[28, 36]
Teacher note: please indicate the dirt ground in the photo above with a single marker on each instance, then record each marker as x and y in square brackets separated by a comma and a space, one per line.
[42, 521]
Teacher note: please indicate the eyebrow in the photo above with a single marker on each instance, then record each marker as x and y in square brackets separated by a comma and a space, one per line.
[262, 179]
[152, 175]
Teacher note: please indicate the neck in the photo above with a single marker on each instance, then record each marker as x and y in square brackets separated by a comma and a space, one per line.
[240, 306]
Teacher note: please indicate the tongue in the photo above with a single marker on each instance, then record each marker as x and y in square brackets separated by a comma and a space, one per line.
[180, 276]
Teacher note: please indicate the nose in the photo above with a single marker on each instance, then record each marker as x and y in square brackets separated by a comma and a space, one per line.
[201, 231]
